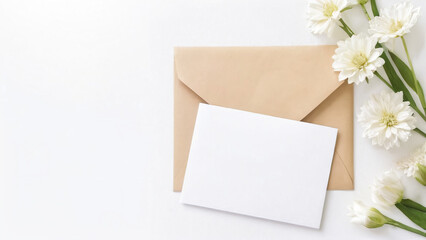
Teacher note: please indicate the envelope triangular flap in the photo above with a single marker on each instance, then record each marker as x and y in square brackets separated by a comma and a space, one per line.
[280, 81]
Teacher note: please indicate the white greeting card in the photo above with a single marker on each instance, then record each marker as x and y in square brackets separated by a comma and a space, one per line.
[259, 165]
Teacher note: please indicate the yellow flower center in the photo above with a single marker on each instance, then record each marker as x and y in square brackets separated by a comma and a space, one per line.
[359, 60]
[389, 119]
[395, 26]
[329, 9]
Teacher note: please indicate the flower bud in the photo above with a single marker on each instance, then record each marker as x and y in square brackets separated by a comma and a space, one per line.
[387, 190]
[368, 216]
[376, 218]
[420, 174]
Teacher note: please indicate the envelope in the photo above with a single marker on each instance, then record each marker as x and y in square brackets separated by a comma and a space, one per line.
[292, 82]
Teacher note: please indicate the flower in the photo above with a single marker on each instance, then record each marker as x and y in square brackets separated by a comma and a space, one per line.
[415, 166]
[387, 190]
[409, 166]
[387, 119]
[367, 216]
[357, 58]
[394, 22]
[323, 15]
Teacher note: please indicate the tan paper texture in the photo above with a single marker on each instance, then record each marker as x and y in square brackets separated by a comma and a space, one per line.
[296, 83]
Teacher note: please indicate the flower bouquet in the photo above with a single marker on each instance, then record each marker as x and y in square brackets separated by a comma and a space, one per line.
[388, 118]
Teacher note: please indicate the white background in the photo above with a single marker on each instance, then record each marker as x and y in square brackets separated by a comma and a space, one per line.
[86, 118]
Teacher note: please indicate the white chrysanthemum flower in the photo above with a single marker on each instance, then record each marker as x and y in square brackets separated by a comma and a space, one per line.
[356, 58]
[415, 166]
[394, 22]
[367, 216]
[323, 15]
[387, 119]
[387, 190]
[410, 165]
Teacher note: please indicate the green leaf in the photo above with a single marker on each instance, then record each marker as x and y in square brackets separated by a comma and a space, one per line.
[396, 81]
[416, 216]
[408, 77]
[374, 8]
[404, 70]
[411, 204]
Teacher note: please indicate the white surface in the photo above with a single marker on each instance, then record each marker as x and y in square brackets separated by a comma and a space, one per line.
[86, 119]
[248, 163]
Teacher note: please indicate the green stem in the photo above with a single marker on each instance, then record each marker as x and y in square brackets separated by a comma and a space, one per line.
[346, 8]
[420, 132]
[416, 81]
[349, 30]
[409, 58]
[419, 112]
[383, 80]
[392, 222]
[365, 12]
[346, 30]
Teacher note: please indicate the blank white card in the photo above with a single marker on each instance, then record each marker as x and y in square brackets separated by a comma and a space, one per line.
[258, 165]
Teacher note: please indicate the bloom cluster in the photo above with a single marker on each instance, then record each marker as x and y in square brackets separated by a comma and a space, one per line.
[387, 118]
[388, 191]
[415, 166]
[324, 16]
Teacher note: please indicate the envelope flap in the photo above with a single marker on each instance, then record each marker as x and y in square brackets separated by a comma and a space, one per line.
[279, 81]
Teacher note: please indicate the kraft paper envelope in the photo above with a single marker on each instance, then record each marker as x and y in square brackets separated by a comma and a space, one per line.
[294, 82]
